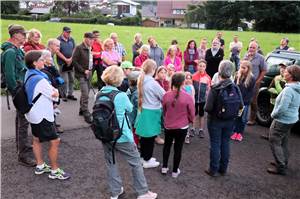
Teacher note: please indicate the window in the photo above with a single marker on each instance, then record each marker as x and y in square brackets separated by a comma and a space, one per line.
[178, 11]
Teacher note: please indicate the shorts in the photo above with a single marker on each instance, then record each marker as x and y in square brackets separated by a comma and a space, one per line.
[45, 131]
[199, 108]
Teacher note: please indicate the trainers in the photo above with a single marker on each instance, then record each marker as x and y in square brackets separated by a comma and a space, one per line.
[233, 137]
[148, 195]
[239, 137]
[150, 164]
[117, 196]
[45, 169]
[176, 174]
[164, 170]
[201, 133]
[187, 139]
[192, 132]
[159, 140]
[59, 174]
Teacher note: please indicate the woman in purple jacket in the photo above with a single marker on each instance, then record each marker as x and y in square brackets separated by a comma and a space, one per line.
[179, 112]
[191, 57]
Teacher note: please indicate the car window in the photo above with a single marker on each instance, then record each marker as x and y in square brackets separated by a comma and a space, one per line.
[277, 60]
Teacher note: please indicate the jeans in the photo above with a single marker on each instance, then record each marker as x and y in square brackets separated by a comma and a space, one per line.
[147, 146]
[24, 148]
[240, 122]
[178, 135]
[84, 97]
[68, 86]
[219, 135]
[236, 60]
[129, 151]
[279, 133]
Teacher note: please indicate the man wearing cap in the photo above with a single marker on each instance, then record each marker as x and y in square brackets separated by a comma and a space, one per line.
[83, 64]
[64, 60]
[283, 44]
[127, 69]
[14, 69]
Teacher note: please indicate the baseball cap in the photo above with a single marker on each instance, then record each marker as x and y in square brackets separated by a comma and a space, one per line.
[283, 64]
[89, 35]
[133, 75]
[127, 65]
[67, 29]
[15, 29]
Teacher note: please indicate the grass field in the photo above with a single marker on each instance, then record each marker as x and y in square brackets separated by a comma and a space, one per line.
[268, 41]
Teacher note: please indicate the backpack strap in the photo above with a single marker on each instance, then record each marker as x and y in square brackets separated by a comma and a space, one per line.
[35, 99]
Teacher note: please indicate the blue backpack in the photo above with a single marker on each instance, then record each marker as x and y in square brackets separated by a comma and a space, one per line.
[229, 102]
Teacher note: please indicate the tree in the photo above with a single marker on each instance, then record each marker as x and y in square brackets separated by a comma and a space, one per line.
[69, 7]
[9, 7]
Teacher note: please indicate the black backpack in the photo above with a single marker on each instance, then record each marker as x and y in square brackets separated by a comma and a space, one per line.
[105, 124]
[20, 99]
[229, 102]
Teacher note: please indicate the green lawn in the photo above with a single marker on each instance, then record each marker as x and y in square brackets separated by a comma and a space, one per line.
[268, 41]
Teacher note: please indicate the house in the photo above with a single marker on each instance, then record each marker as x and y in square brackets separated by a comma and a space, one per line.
[171, 13]
[121, 7]
[150, 22]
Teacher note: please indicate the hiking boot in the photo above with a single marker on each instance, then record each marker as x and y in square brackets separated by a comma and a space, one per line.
[239, 137]
[80, 113]
[187, 139]
[233, 137]
[150, 164]
[201, 133]
[159, 140]
[148, 195]
[59, 174]
[276, 171]
[176, 174]
[210, 173]
[71, 97]
[192, 132]
[65, 99]
[45, 169]
[88, 119]
[27, 162]
[164, 170]
[119, 194]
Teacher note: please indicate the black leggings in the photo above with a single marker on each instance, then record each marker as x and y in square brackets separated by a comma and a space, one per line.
[147, 146]
[170, 135]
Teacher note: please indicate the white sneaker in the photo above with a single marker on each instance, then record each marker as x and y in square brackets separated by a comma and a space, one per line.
[150, 164]
[117, 196]
[148, 195]
[164, 170]
[176, 174]
[153, 159]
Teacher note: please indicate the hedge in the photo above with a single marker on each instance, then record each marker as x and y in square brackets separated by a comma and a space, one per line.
[26, 17]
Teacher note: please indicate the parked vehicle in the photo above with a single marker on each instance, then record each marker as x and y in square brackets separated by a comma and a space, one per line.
[273, 60]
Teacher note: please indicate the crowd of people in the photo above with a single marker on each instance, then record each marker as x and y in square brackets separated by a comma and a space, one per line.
[162, 93]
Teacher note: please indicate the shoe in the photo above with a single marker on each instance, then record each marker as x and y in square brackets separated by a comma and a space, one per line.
[164, 170]
[264, 136]
[276, 171]
[222, 173]
[273, 164]
[59, 130]
[201, 133]
[210, 173]
[119, 194]
[27, 162]
[71, 97]
[239, 137]
[148, 195]
[88, 119]
[59, 174]
[176, 174]
[233, 137]
[45, 169]
[187, 140]
[251, 123]
[159, 140]
[192, 132]
[65, 99]
[80, 113]
[150, 164]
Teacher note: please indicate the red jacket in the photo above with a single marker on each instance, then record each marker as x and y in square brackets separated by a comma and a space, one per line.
[188, 61]
[28, 46]
[165, 84]
[139, 60]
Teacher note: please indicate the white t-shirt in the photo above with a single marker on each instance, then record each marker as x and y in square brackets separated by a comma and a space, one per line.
[43, 108]
[235, 46]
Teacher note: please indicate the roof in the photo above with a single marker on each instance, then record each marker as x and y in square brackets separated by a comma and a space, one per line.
[125, 2]
[40, 10]
[165, 8]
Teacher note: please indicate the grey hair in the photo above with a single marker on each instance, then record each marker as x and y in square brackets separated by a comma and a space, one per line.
[52, 41]
[46, 53]
[225, 69]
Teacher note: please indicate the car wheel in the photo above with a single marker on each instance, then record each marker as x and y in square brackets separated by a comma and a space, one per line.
[263, 115]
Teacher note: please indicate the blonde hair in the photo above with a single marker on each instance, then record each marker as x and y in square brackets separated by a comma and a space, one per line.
[137, 35]
[113, 76]
[148, 67]
[172, 47]
[144, 47]
[240, 78]
[31, 35]
[107, 41]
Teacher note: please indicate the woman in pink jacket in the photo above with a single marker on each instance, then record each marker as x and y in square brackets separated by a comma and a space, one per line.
[171, 58]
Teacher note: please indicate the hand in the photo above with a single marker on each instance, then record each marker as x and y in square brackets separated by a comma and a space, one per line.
[257, 84]
[87, 72]
[69, 61]
[55, 93]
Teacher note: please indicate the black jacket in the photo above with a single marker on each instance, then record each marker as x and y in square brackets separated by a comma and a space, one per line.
[213, 61]
[247, 92]
[80, 60]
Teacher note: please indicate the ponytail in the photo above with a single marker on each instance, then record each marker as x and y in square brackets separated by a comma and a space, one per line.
[140, 90]
[177, 81]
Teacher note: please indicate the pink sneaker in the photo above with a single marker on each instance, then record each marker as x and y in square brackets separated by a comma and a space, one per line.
[233, 137]
[239, 137]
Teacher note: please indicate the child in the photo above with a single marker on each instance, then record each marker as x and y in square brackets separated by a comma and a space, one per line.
[171, 71]
[132, 94]
[161, 78]
[202, 83]
[189, 88]
[41, 115]
[148, 124]
[246, 82]
[127, 68]
[178, 111]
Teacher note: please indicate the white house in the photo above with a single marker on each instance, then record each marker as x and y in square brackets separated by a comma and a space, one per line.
[121, 7]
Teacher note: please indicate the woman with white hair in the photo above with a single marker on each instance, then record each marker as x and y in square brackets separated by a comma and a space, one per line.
[136, 46]
[221, 117]
[144, 55]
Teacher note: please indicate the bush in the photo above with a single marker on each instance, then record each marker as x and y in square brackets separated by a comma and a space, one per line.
[78, 20]
[17, 17]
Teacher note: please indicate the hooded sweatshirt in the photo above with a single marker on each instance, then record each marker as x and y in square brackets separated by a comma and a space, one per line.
[14, 67]
[286, 109]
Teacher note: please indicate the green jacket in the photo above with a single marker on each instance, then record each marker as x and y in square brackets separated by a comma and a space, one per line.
[14, 66]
